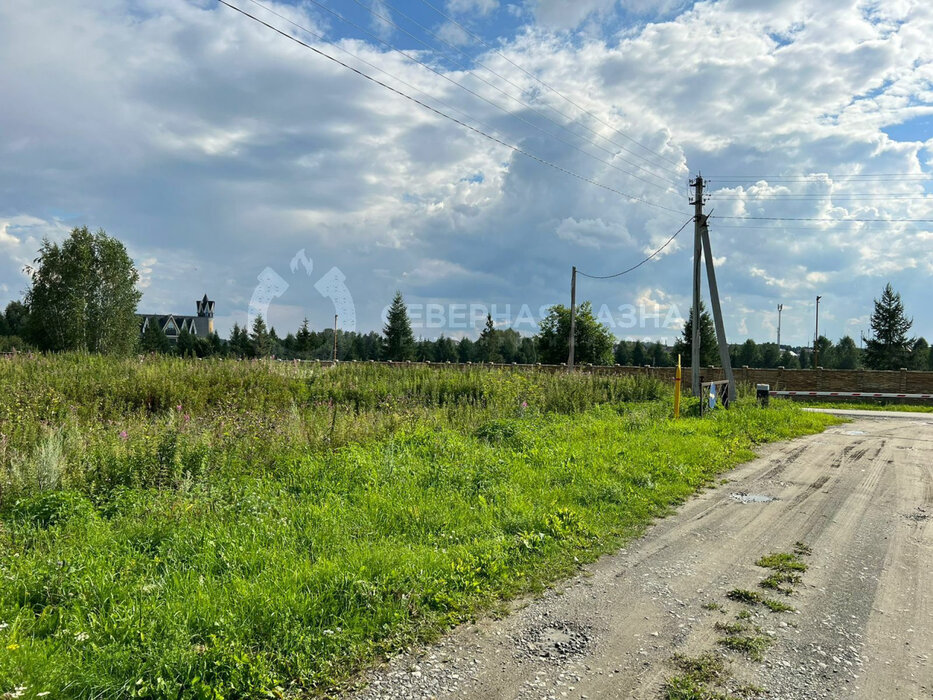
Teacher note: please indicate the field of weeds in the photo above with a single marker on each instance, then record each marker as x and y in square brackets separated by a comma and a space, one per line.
[223, 529]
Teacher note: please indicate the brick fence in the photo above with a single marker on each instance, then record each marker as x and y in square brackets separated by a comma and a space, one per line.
[864, 380]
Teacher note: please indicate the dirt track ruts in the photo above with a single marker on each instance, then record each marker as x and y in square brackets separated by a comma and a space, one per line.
[860, 494]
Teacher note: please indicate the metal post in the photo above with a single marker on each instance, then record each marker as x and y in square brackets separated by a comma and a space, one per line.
[697, 252]
[717, 311]
[573, 316]
[780, 309]
[335, 337]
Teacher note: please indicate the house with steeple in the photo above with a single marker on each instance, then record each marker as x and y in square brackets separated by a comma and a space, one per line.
[173, 324]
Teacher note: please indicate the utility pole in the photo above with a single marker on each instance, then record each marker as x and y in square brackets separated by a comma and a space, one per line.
[717, 312]
[335, 337]
[701, 247]
[816, 338]
[780, 309]
[698, 221]
[573, 316]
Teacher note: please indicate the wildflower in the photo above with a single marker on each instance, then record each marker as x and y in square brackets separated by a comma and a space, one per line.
[124, 435]
[4, 625]
[187, 418]
[12, 647]
[524, 404]
[81, 637]
[178, 408]
[43, 694]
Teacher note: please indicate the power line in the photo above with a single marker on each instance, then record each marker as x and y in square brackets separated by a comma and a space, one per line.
[551, 89]
[506, 111]
[751, 198]
[438, 112]
[635, 267]
[804, 218]
[822, 176]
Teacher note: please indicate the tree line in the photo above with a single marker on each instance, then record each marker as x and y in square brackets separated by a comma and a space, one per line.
[83, 295]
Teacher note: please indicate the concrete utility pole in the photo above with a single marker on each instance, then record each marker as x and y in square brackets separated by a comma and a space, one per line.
[717, 312]
[697, 252]
[573, 316]
[816, 337]
[780, 309]
[701, 246]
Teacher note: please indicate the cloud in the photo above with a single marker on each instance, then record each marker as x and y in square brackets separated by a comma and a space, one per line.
[215, 149]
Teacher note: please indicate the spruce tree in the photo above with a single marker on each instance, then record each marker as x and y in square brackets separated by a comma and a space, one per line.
[260, 339]
[154, 339]
[398, 342]
[488, 343]
[890, 346]
[709, 347]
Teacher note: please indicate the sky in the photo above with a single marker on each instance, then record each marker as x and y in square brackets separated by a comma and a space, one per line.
[236, 162]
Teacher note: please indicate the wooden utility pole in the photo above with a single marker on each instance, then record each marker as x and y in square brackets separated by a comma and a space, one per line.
[573, 316]
[335, 337]
[698, 221]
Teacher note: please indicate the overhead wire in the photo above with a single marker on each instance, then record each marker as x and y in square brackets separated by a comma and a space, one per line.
[434, 110]
[548, 87]
[635, 267]
[515, 115]
[808, 218]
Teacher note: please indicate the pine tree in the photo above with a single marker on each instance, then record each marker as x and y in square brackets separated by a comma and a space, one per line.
[303, 338]
[639, 354]
[623, 353]
[154, 339]
[259, 338]
[488, 343]
[399, 342]
[890, 346]
[709, 347]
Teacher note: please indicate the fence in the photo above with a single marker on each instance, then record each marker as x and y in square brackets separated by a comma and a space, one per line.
[863, 380]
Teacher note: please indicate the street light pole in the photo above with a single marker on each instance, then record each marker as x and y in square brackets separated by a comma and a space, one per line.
[780, 309]
[816, 338]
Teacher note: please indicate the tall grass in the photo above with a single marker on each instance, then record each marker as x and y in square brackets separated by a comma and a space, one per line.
[173, 529]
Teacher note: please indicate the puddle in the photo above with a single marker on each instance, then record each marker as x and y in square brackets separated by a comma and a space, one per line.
[743, 497]
[853, 432]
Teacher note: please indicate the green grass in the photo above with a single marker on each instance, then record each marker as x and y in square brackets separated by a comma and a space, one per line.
[743, 595]
[881, 405]
[696, 675]
[781, 561]
[174, 529]
[752, 646]
[776, 605]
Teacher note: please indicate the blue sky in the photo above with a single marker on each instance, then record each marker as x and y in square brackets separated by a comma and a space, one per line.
[235, 162]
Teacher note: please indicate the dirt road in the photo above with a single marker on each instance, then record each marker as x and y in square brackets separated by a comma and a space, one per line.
[860, 495]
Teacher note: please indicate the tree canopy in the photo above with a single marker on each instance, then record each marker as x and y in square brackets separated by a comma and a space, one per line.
[593, 341]
[83, 295]
[709, 347]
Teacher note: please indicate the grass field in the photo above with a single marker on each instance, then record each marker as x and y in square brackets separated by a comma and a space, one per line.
[867, 406]
[173, 529]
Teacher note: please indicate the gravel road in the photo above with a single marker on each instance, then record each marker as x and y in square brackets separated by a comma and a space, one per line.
[860, 495]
